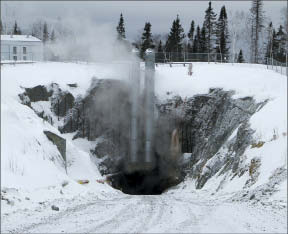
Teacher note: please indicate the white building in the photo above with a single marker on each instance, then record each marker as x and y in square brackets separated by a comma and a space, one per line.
[21, 47]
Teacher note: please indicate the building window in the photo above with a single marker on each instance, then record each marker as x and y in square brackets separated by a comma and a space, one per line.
[14, 50]
[24, 58]
[24, 50]
[14, 58]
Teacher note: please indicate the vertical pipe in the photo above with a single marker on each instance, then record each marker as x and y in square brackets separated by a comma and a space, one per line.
[149, 102]
[135, 86]
[287, 40]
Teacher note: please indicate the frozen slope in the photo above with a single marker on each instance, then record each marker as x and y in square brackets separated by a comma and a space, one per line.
[32, 170]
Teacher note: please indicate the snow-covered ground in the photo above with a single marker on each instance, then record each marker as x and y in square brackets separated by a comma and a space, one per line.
[33, 177]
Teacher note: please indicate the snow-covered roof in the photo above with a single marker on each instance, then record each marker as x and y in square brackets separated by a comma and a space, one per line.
[19, 38]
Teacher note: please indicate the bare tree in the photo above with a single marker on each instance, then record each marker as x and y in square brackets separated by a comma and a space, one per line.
[239, 32]
[257, 18]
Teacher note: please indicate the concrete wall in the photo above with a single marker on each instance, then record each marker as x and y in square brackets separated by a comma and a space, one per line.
[34, 50]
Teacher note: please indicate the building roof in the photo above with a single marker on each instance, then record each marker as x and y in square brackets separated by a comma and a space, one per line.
[19, 38]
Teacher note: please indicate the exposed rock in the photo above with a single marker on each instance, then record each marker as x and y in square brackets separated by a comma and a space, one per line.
[38, 93]
[206, 122]
[55, 208]
[58, 141]
[103, 112]
[64, 183]
[63, 103]
[103, 148]
[74, 85]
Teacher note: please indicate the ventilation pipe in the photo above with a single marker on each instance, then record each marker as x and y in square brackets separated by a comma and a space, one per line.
[135, 86]
[149, 108]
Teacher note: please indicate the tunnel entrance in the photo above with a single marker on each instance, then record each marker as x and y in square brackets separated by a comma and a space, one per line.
[141, 183]
[147, 182]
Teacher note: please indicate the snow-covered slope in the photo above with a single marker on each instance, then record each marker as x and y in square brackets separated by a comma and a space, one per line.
[269, 123]
[32, 167]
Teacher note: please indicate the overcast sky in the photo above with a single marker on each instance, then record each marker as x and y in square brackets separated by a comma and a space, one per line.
[159, 13]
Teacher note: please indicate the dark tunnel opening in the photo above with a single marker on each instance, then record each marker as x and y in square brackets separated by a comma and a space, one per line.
[147, 182]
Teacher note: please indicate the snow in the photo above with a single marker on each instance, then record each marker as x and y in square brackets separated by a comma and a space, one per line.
[31, 166]
[245, 79]
[19, 38]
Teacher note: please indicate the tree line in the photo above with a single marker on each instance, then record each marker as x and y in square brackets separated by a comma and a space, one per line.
[212, 37]
[39, 30]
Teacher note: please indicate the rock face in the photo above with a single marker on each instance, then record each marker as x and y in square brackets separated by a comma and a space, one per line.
[58, 141]
[206, 122]
[103, 112]
[38, 93]
[63, 103]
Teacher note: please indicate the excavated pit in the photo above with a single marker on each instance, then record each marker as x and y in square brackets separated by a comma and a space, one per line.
[201, 125]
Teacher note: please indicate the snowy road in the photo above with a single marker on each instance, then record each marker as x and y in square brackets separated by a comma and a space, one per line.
[147, 214]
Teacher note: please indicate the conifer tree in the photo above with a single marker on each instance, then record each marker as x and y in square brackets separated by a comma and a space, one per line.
[160, 53]
[196, 41]
[222, 33]
[160, 47]
[175, 37]
[45, 33]
[240, 58]
[16, 29]
[1, 27]
[270, 41]
[53, 38]
[121, 28]
[147, 41]
[203, 41]
[280, 44]
[209, 26]
[191, 36]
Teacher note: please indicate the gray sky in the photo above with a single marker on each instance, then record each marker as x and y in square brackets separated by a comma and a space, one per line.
[159, 13]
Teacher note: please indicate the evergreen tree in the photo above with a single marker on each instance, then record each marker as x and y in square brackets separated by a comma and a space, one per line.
[222, 33]
[196, 41]
[16, 29]
[53, 38]
[160, 47]
[280, 44]
[121, 28]
[175, 37]
[160, 57]
[203, 43]
[240, 58]
[189, 47]
[1, 27]
[147, 41]
[191, 36]
[257, 18]
[270, 41]
[209, 26]
[45, 33]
